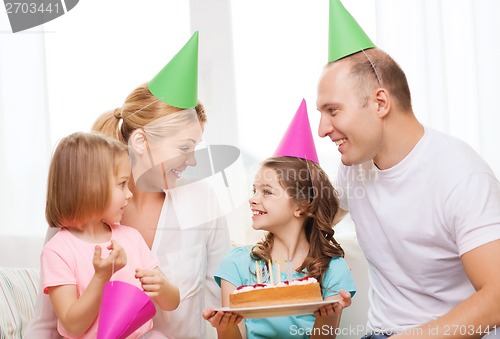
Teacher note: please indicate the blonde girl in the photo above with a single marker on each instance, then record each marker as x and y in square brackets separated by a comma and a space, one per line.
[86, 198]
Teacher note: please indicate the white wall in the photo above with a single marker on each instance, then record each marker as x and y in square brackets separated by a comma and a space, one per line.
[258, 59]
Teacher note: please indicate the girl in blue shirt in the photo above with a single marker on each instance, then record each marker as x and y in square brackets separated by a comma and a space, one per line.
[295, 203]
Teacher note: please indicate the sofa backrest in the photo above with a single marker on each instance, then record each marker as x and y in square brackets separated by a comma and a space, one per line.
[19, 282]
[20, 251]
[354, 318]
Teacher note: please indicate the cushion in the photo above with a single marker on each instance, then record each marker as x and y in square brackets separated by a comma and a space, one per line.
[354, 318]
[18, 293]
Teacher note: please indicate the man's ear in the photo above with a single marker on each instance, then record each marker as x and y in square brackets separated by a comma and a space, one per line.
[383, 99]
[137, 142]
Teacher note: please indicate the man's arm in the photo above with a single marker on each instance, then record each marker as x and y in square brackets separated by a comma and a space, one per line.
[480, 312]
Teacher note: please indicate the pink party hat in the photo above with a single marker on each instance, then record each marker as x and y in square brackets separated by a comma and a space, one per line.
[124, 309]
[298, 140]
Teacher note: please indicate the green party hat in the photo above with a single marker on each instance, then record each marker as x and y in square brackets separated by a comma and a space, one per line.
[177, 83]
[346, 37]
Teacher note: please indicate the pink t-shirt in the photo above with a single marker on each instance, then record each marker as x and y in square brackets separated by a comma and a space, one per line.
[67, 260]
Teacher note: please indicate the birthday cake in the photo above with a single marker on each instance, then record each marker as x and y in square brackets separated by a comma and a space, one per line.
[288, 292]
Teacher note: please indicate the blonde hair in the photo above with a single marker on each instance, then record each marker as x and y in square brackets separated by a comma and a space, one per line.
[80, 176]
[140, 109]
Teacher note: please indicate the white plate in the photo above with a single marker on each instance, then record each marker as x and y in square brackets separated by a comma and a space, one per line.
[278, 310]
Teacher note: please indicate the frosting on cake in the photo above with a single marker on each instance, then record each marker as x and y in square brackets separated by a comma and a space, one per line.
[302, 290]
[301, 281]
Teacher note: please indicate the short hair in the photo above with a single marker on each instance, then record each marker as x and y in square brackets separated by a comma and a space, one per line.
[80, 177]
[374, 68]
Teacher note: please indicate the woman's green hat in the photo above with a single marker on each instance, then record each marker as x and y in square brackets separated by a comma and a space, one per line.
[177, 83]
[345, 36]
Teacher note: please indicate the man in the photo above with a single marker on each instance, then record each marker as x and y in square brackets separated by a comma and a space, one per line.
[425, 205]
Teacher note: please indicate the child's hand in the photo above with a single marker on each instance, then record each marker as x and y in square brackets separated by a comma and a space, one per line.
[151, 281]
[328, 311]
[222, 321]
[334, 309]
[105, 267]
[346, 299]
[156, 286]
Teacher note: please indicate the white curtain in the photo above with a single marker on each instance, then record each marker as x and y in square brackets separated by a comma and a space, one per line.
[57, 81]
[450, 51]
[24, 130]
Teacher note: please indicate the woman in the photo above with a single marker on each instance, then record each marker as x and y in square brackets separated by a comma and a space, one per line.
[162, 122]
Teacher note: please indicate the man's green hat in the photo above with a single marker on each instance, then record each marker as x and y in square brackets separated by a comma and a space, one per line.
[177, 83]
[345, 36]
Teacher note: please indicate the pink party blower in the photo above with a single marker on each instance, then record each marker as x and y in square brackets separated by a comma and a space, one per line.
[124, 308]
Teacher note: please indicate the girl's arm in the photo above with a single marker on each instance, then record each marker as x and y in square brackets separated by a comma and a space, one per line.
[228, 324]
[157, 287]
[78, 314]
[328, 317]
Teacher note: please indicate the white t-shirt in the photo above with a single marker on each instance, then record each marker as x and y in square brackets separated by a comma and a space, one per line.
[191, 240]
[414, 221]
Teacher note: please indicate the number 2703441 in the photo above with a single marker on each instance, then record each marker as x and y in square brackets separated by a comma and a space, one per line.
[32, 7]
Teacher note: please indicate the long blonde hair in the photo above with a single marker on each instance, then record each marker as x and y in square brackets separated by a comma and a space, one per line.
[307, 185]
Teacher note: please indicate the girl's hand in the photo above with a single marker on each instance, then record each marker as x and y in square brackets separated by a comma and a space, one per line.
[222, 321]
[156, 286]
[151, 280]
[328, 311]
[346, 299]
[105, 267]
[330, 315]
[334, 309]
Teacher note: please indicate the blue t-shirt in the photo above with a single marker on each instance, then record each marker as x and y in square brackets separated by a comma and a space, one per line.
[238, 268]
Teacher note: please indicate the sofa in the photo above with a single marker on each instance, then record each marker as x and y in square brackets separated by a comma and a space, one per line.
[19, 279]
[19, 283]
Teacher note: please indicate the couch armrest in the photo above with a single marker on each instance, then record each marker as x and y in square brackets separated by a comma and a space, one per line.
[18, 293]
